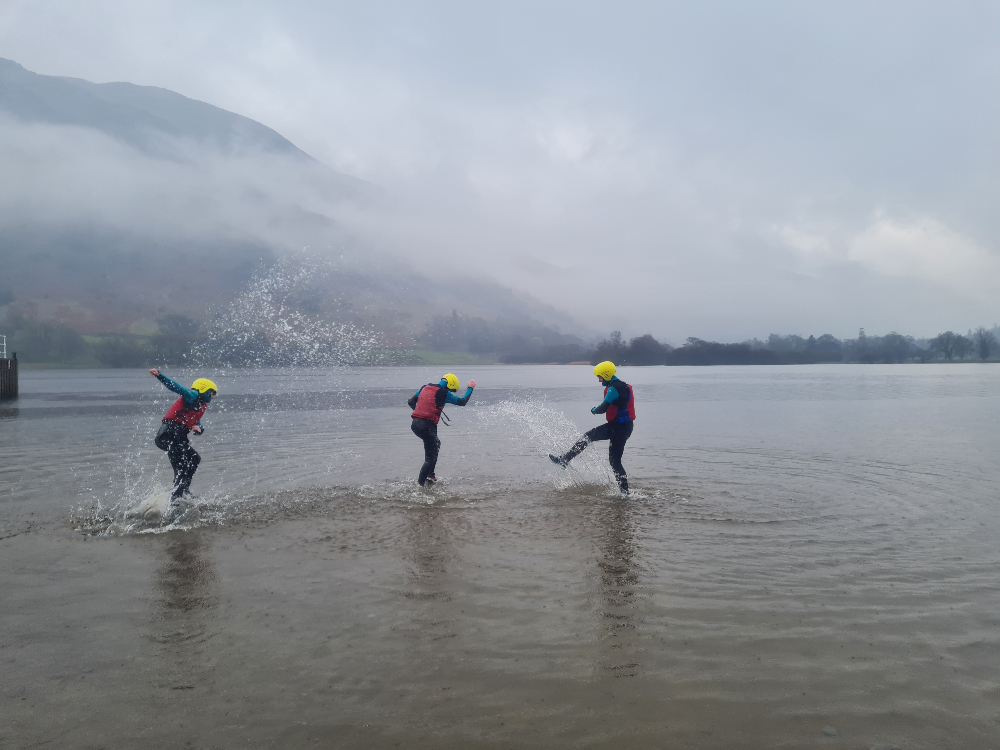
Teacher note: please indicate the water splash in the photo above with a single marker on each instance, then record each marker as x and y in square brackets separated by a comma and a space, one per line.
[134, 517]
[530, 422]
[277, 322]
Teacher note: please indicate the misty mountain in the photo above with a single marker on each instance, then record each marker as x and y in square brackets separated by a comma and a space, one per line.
[126, 203]
[151, 119]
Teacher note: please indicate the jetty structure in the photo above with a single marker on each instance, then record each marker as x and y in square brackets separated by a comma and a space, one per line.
[8, 371]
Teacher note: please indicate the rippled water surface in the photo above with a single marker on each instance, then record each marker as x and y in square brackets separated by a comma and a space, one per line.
[809, 559]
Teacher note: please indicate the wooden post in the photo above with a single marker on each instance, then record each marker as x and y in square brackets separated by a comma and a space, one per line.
[8, 377]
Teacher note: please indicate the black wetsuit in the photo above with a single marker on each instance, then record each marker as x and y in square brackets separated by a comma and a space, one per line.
[617, 431]
[427, 429]
[618, 434]
[184, 459]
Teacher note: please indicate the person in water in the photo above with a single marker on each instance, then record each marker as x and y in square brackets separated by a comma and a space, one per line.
[182, 418]
[427, 404]
[618, 407]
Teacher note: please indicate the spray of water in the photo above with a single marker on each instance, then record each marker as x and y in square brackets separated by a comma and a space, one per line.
[276, 322]
[258, 509]
[530, 422]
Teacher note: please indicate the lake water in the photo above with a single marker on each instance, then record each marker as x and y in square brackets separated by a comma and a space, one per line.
[809, 559]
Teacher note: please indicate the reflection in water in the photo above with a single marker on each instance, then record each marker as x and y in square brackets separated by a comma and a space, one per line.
[186, 578]
[188, 600]
[619, 578]
[431, 546]
[431, 551]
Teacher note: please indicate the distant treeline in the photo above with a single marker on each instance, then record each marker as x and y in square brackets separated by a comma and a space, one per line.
[520, 341]
[792, 349]
[183, 340]
[645, 350]
[47, 342]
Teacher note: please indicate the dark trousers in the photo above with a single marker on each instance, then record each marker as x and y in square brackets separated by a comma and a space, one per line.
[428, 432]
[173, 438]
[618, 433]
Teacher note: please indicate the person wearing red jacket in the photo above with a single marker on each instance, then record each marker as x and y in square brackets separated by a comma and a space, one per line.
[181, 419]
[427, 404]
[618, 407]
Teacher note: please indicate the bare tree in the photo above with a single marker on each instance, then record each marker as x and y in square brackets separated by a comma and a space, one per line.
[950, 344]
[612, 348]
[963, 346]
[645, 350]
[896, 347]
[984, 341]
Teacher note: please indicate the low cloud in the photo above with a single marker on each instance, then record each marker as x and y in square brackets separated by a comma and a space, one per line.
[925, 249]
[807, 244]
[641, 150]
[69, 175]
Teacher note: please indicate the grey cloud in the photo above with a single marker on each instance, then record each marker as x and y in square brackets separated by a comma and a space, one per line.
[694, 145]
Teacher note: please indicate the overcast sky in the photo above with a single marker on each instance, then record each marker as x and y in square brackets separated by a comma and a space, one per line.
[721, 170]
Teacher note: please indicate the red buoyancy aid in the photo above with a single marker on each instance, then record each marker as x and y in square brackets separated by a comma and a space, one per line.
[612, 412]
[427, 407]
[182, 414]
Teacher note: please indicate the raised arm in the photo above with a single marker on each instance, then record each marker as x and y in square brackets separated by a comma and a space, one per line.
[188, 394]
[453, 399]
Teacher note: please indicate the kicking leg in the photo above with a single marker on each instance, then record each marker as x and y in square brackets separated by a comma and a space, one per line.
[602, 432]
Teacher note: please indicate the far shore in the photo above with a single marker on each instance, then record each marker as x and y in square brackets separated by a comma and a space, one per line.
[461, 362]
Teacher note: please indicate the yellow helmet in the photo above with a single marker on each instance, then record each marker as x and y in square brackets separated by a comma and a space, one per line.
[204, 384]
[605, 371]
[452, 381]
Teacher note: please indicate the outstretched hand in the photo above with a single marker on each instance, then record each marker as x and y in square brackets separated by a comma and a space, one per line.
[197, 429]
[472, 384]
[154, 372]
[594, 410]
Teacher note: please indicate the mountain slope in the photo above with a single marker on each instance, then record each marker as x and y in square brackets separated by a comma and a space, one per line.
[126, 203]
[146, 117]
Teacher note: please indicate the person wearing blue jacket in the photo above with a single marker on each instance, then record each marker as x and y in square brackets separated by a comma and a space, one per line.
[181, 419]
[618, 408]
[427, 404]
